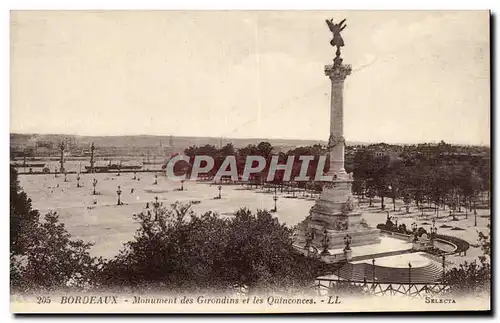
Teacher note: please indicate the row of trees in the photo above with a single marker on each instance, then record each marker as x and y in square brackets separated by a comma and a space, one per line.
[437, 183]
[263, 149]
[411, 173]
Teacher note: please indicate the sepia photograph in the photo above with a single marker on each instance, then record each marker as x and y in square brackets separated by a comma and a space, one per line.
[168, 161]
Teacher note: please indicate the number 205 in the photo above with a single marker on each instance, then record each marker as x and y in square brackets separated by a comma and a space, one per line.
[43, 299]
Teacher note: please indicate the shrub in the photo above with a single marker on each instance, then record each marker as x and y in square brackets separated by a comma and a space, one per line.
[43, 256]
[184, 251]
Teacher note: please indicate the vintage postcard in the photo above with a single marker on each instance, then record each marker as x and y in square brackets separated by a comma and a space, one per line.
[250, 161]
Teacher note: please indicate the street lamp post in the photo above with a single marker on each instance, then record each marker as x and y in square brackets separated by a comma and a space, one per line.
[119, 192]
[433, 228]
[392, 189]
[433, 231]
[94, 184]
[409, 276]
[275, 198]
[373, 271]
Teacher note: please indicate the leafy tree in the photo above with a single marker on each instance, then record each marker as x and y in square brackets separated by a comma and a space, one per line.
[227, 150]
[23, 218]
[265, 149]
[485, 243]
[43, 256]
[184, 251]
[316, 151]
[207, 150]
[243, 153]
[379, 171]
[472, 278]
[359, 188]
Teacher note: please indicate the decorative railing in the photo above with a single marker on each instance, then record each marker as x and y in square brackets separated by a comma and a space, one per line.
[334, 285]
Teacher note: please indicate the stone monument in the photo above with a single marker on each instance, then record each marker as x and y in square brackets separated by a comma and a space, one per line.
[335, 214]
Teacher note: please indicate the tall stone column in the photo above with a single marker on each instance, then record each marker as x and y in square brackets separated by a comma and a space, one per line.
[337, 73]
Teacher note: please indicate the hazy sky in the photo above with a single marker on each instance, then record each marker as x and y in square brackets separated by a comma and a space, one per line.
[417, 76]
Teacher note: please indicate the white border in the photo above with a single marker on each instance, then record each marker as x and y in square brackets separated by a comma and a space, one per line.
[188, 5]
[255, 4]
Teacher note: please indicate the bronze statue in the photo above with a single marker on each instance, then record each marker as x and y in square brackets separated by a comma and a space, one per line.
[337, 40]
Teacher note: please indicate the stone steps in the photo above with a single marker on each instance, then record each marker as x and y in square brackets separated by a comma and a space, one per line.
[358, 272]
[382, 254]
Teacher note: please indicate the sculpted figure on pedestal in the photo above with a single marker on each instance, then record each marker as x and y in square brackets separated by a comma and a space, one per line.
[348, 206]
[335, 140]
[340, 225]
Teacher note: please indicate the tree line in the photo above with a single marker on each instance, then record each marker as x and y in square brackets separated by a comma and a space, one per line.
[440, 175]
[437, 182]
[263, 149]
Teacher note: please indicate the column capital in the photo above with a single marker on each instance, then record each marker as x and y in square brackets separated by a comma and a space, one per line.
[337, 73]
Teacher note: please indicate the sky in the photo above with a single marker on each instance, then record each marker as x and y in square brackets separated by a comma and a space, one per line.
[417, 76]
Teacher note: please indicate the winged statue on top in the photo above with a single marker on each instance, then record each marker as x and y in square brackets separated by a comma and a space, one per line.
[337, 40]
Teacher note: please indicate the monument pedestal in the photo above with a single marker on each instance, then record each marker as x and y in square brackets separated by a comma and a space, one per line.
[336, 215]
